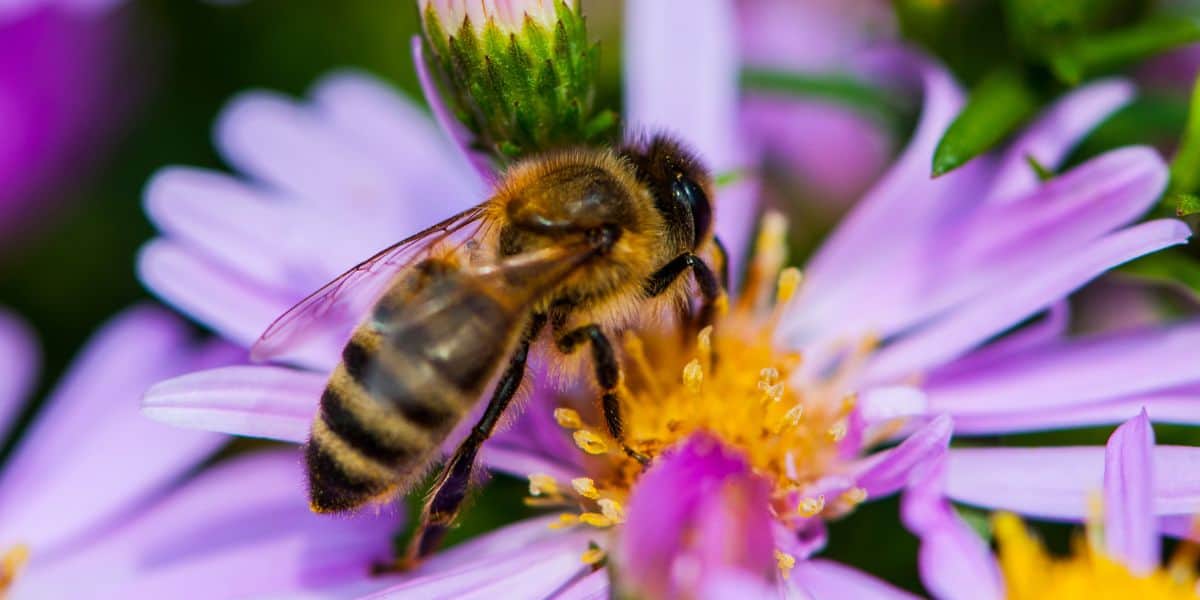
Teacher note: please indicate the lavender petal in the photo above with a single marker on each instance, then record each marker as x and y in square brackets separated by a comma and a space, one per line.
[1130, 534]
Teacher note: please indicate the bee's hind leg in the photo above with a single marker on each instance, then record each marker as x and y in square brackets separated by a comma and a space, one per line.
[451, 487]
[608, 375]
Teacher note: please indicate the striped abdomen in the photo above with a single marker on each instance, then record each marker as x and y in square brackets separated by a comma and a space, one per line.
[407, 377]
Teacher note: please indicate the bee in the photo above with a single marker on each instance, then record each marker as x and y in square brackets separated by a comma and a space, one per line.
[574, 241]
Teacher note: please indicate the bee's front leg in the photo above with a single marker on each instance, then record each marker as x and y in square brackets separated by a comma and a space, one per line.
[608, 375]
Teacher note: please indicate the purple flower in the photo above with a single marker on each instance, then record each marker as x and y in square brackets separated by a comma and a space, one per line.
[55, 106]
[1119, 559]
[914, 309]
[95, 497]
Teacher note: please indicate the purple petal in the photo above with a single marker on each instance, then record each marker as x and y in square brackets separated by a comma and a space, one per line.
[886, 472]
[1130, 533]
[892, 402]
[691, 90]
[1056, 131]
[591, 587]
[981, 319]
[1054, 483]
[1048, 329]
[699, 504]
[1176, 405]
[953, 561]
[522, 463]
[90, 441]
[211, 538]
[1072, 373]
[905, 192]
[268, 402]
[821, 578]
[451, 128]
[19, 360]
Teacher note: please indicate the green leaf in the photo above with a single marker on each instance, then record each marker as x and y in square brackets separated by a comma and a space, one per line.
[1185, 167]
[997, 106]
[1185, 204]
[1172, 267]
[1088, 54]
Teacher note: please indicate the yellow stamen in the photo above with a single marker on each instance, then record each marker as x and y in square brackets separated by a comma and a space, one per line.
[595, 519]
[838, 432]
[584, 486]
[693, 376]
[592, 556]
[590, 442]
[786, 562]
[811, 507]
[789, 282]
[565, 520]
[854, 496]
[612, 509]
[568, 418]
[541, 484]
[11, 564]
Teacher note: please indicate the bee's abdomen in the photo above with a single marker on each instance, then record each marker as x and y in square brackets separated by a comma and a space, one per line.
[396, 396]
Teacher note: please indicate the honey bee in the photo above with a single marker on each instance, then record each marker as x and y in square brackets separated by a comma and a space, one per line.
[575, 240]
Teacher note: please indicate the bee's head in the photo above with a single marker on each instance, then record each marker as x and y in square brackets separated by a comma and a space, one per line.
[680, 185]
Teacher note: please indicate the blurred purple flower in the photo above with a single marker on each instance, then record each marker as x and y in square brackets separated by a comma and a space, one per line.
[93, 496]
[945, 272]
[1138, 480]
[56, 107]
[816, 37]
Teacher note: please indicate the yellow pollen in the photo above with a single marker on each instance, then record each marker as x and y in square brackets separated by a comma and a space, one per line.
[786, 562]
[811, 507]
[595, 519]
[592, 556]
[11, 564]
[590, 442]
[721, 304]
[565, 520]
[567, 418]
[1030, 573]
[585, 487]
[541, 484]
[693, 376]
[704, 341]
[612, 509]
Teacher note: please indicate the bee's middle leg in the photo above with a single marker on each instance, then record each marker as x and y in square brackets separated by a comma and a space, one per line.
[608, 375]
[451, 487]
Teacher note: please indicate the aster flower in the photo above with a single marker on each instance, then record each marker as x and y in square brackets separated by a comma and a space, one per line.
[926, 282]
[1119, 558]
[92, 499]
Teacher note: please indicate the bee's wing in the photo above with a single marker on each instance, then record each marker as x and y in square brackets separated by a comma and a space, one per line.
[339, 304]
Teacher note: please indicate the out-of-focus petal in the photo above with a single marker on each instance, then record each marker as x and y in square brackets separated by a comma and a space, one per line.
[1130, 528]
[1055, 482]
[268, 402]
[243, 528]
[1071, 373]
[892, 402]
[976, 321]
[690, 90]
[1056, 131]
[1048, 329]
[1179, 405]
[591, 587]
[886, 472]
[91, 454]
[824, 579]
[18, 366]
[451, 128]
[955, 564]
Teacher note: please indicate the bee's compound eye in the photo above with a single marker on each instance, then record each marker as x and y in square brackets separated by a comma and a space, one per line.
[691, 194]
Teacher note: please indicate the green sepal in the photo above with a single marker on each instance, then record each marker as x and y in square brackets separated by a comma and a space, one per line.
[523, 92]
[1001, 103]
[1185, 204]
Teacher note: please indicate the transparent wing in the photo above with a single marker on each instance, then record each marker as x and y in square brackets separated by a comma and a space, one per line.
[341, 303]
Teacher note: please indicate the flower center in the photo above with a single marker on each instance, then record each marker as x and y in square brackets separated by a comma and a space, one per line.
[1031, 573]
[735, 384]
[11, 563]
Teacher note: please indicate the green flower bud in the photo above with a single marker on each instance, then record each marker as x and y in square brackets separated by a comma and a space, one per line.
[519, 74]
